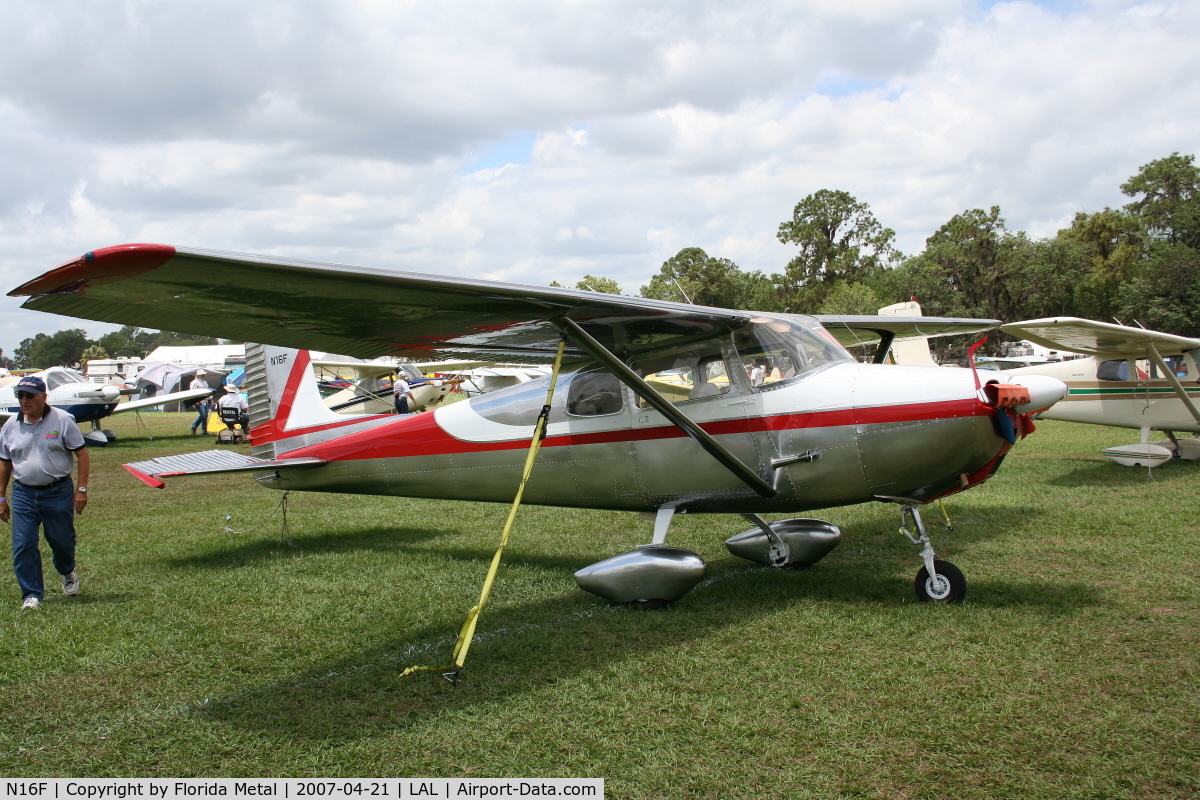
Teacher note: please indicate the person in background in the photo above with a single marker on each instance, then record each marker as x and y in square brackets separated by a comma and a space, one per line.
[38, 448]
[757, 374]
[203, 405]
[233, 399]
[403, 393]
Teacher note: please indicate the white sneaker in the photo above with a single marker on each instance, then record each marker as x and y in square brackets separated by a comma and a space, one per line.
[30, 603]
[70, 583]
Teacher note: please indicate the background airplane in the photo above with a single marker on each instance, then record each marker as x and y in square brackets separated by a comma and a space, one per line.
[830, 431]
[1134, 378]
[88, 402]
[364, 387]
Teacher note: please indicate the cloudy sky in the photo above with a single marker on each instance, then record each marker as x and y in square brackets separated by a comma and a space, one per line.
[531, 141]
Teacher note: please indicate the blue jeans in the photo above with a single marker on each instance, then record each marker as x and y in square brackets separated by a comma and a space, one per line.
[53, 508]
[202, 420]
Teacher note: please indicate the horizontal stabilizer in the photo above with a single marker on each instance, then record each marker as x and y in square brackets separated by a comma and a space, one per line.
[162, 399]
[209, 462]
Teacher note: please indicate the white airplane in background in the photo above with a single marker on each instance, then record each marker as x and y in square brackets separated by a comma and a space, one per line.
[480, 377]
[1134, 378]
[365, 395]
[87, 402]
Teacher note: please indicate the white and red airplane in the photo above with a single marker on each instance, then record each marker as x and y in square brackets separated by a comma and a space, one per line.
[659, 408]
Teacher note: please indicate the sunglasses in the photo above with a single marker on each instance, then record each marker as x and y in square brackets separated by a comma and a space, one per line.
[28, 395]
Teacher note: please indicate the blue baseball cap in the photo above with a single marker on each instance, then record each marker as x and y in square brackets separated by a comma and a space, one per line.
[31, 383]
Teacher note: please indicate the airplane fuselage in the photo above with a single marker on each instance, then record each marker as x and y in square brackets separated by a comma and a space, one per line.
[866, 431]
[1123, 394]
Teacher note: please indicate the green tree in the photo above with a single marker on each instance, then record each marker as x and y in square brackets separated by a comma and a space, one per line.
[591, 283]
[839, 240]
[1112, 245]
[1169, 205]
[851, 298]
[1165, 295]
[693, 276]
[92, 353]
[61, 348]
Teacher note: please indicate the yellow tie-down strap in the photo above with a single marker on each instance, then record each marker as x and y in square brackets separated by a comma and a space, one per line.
[467, 633]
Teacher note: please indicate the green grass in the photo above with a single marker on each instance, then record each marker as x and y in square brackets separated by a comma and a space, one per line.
[1071, 670]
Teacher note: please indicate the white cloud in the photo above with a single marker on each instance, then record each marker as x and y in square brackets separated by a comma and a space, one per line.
[535, 141]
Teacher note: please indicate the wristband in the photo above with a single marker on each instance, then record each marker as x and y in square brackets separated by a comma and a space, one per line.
[3, 499]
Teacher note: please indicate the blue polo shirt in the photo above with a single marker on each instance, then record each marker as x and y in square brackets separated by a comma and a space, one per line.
[41, 453]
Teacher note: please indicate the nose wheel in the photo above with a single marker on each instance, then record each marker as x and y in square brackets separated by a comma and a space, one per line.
[946, 585]
[938, 581]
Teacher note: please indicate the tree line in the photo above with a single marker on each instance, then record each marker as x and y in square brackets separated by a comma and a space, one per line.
[1139, 264]
[72, 346]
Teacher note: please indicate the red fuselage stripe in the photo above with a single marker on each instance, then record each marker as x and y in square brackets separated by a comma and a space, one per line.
[420, 435]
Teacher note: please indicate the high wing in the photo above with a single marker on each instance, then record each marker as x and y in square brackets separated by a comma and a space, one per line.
[855, 330]
[361, 369]
[366, 313]
[162, 399]
[358, 311]
[1098, 338]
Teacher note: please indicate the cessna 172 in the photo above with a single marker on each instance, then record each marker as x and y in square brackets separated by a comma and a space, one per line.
[1135, 378]
[828, 431]
[88, 402]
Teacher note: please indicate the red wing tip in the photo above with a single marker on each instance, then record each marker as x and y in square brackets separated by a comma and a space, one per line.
[149, 480]
[97, 267]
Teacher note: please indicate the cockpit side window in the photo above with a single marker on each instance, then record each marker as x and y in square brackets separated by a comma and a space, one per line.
[594, 394]
[1112, 371]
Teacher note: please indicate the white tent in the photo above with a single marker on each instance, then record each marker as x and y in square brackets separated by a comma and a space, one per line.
[217, 356]
[159, 379]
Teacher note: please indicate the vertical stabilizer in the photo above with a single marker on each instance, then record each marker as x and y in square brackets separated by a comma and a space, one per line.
[286, 409]
[913, 351]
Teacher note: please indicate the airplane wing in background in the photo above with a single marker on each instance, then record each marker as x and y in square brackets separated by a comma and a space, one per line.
[162, 399]
[855, 329]
[1098, 338]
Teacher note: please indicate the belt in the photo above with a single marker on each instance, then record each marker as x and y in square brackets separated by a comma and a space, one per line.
[54, 482]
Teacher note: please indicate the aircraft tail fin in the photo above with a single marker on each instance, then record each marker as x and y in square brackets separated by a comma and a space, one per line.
[286, 409]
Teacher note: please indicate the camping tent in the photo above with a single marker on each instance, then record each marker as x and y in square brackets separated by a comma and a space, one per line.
[159, 379]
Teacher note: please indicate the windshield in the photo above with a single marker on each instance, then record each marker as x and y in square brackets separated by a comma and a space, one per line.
[777, 350]
[61, 377]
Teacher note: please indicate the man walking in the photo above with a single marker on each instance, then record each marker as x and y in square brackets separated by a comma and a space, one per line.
[202, 405]
[36, 448]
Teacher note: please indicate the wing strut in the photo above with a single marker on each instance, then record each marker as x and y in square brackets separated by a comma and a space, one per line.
[1170, 373]
[664, 406]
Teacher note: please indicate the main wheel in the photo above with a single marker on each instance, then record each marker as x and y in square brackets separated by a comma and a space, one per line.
[949, 586]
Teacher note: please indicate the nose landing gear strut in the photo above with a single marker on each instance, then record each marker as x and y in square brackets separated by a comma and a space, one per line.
[937, 581]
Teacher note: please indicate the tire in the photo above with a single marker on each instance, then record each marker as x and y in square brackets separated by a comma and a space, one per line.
[954, 593]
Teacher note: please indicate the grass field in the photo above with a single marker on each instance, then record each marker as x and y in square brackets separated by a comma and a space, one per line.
[1071, 670]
